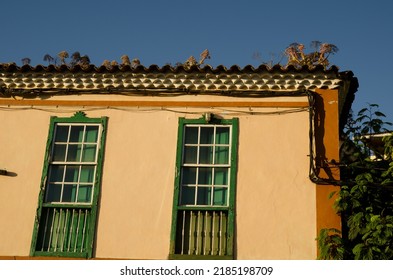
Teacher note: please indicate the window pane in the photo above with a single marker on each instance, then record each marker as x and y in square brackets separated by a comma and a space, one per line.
[190, 154]
[84, 193]
[61, 133]
[53, 193]
[59, 152]
[221, 176]
[206, 155]
[191, 135]
[220, 196]
[205, 176]
[69, 193]
[87, 174]
[222, 135]
[207, 135]
[204, 196]
[56, 173]
[189, 176]
[187, 195]
[76, 133]
[222, 155]
[89, 153]
[91, 134]
[72, 173]
[74, 152]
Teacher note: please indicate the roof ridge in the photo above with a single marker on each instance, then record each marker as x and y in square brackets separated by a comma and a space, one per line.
[11, 67]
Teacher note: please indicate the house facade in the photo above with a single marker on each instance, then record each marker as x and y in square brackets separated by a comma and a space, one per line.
[168, 163]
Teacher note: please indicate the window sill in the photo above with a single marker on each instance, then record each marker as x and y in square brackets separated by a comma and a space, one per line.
[60, 255]
[199, 257]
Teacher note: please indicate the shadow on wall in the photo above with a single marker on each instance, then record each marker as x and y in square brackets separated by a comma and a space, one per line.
[4, 172]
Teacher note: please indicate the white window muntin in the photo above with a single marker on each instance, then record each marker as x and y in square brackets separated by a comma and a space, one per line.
[68, 143]
[214, 166]
[66, 164]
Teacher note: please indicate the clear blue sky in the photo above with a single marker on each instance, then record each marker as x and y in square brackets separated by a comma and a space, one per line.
[160, 32]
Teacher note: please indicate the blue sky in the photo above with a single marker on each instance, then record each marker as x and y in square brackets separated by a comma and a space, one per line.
[160, 32]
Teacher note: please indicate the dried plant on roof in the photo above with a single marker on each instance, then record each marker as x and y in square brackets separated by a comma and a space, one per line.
[125, 60]
[62, 56]
[191, 61]
[273, 60]
[26, 61]
[75, 59]
[297, 57]
[84, 61]
[204, 55]
[106, 63]
[48, 58]
[135, 63]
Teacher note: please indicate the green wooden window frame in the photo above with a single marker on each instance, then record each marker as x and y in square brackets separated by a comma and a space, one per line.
[205, 185]
[70, 184]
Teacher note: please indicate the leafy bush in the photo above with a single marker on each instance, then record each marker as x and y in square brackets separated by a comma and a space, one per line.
[365, 199]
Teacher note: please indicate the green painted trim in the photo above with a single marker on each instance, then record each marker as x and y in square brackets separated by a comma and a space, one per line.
[231, 208]
[68, 205]
[199, 257]
[177, 184]
[60, 254]
[94, 210]
[232, 188]
[78, 117]
[196, 208]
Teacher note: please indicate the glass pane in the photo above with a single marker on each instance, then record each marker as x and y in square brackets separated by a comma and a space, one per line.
[190, 154]
[89, 153]
[206, 155]
[87, 174]
[222, 155]
[191, 135]
[189, 176]
[59, 151]
[205, 176]
[53, 193]
[72, 173]
[74, 152]
[204, 196]
[207, 135]
[69, 193]
[220, 196]
[61, 133]
[84, 193]
[91, 134]
[76, 133]
[187, 195]
[56, 173]
[222, 135]
[221, 176]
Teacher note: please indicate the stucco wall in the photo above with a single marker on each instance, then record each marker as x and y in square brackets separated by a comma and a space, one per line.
[276, 216]
[275, 201]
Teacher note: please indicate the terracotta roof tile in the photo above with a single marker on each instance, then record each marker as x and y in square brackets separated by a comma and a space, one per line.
[206, 78]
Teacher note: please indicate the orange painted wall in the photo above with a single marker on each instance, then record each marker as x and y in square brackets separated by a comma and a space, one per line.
[327, 148]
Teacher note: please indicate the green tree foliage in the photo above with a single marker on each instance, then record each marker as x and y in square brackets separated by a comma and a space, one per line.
[365, 199]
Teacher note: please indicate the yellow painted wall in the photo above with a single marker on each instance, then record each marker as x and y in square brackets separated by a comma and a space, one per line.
[275, 200]
[23, 136]
[276, 216]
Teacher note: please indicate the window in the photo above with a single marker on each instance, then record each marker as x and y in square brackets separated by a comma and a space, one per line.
[203, 214]
[70, 185]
